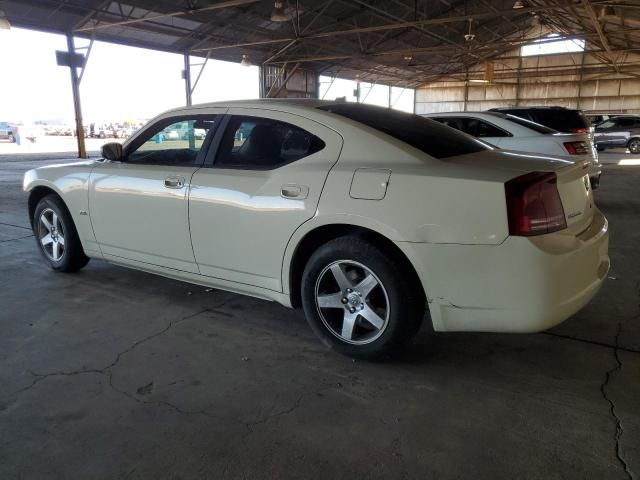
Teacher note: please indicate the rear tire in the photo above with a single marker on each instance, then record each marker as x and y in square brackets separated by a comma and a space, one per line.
[12, 139]
[358, 300]
[56, 235]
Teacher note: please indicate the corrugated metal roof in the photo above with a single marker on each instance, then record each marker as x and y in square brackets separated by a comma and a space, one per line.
[399, 42]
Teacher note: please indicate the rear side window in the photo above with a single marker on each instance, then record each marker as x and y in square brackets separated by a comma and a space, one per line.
[263, 143]
[473, 126]
[422, 133]
[532, 125]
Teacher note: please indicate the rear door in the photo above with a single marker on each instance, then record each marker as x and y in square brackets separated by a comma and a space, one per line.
[264, 182]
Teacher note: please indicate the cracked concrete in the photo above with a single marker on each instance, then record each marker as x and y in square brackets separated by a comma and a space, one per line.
[113, 373]
[604, 389]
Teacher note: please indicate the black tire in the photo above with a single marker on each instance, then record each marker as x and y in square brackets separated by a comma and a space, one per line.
[404, 299]
[634, 145]
[599, 148]
[12, 138]
[71, 256]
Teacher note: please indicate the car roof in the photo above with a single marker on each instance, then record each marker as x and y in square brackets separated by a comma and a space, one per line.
[498, 109]
[461, 114]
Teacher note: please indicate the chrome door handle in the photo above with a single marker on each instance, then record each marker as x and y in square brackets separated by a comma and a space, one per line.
[174, 182]
[292, 190]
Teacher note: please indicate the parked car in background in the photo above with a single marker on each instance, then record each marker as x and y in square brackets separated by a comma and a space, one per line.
[596, 118]
[7, 131]
[370, 219]
[514, 133]
[619, 132]
[565, 120]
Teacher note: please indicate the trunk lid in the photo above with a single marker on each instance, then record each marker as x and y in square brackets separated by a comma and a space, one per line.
[576, 196]
[573, 179]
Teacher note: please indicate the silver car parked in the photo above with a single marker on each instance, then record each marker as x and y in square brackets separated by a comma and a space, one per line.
[619, 132]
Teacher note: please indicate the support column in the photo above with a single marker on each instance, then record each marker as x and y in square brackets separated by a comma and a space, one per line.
[187, 78]
[75, 88]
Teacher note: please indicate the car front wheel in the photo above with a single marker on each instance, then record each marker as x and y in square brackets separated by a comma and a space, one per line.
[56, 235]
[358, 300]
[634, 145]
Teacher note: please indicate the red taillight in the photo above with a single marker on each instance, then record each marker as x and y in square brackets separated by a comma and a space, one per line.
[576, 148]
[578, 130]
[533, 204]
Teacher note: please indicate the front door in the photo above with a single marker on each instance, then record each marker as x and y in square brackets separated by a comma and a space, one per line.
[139, 206]
[265, 182]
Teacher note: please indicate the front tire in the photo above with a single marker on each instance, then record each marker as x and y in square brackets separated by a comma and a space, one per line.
[634, 145]
[358, 300]
[56, 235]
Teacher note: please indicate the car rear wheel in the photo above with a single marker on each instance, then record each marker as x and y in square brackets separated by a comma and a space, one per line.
[358, 300]
[634, 145]
[56, 235]
[12, 139]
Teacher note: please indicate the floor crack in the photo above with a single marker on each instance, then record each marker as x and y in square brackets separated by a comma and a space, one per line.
[604, 387]
[38, 377]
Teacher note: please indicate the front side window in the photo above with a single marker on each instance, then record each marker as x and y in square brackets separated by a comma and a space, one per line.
[172, 142]
[263, 143]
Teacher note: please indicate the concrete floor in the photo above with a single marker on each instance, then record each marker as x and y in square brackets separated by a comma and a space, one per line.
[112, 373]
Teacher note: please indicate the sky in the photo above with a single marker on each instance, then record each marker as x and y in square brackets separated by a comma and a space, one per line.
[125, 83]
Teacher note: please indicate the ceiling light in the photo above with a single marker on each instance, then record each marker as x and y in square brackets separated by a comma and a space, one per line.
[408, 58]
[478, 80]
[278, 14]
[535, 22]
[518, 4]
[245, 62]
[469, 37]
[4, 22]
[607, 12]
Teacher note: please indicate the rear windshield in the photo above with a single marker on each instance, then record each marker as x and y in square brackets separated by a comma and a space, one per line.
[426, 135]
[560, 119]
[532, 125]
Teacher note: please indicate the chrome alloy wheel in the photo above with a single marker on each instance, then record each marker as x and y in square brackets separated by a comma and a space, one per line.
[51, 235]
[352, 302]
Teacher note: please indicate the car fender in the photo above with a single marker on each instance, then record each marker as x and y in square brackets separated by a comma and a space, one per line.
[70, 182]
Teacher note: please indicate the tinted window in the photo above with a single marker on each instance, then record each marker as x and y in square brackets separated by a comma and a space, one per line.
[607, 123]
[625, 122]
[532, 125]
[263, 143]
[422, 133]
[172, 142]
[473, 126]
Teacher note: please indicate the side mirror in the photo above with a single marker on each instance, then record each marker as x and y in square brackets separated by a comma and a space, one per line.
[112, 151]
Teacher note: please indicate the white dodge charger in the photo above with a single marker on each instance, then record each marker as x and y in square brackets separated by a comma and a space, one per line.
[370, 219]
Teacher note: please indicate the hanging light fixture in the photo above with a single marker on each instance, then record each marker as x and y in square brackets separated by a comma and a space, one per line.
[518, 4]
[4, 22]
[470, 37]
[278, 14]
[245, 62]
[535, 22]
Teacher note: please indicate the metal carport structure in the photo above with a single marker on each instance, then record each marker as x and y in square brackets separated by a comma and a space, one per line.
[404, 43]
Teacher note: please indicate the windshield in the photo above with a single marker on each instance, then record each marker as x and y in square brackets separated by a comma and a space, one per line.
[424, 134]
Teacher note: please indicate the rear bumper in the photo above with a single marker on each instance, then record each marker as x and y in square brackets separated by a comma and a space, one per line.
[522, 285]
